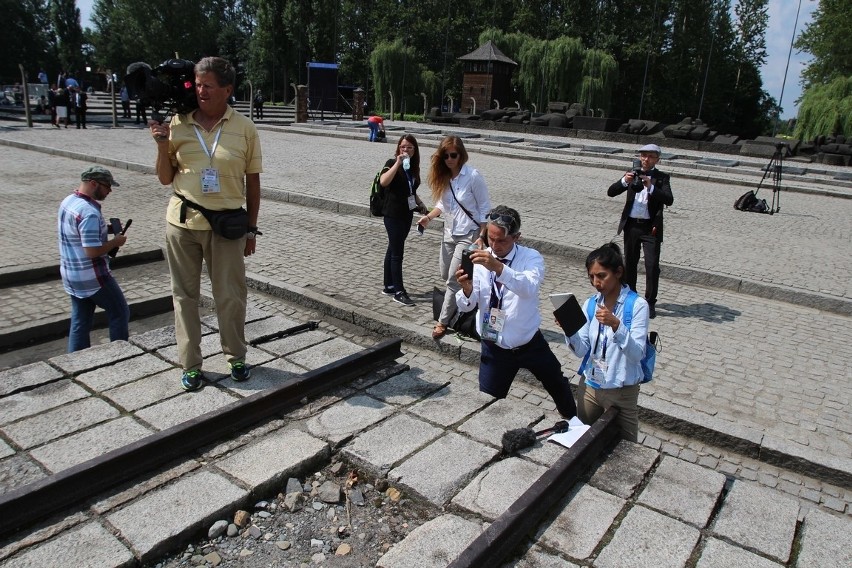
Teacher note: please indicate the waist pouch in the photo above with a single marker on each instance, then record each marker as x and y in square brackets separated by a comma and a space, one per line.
[230, 223]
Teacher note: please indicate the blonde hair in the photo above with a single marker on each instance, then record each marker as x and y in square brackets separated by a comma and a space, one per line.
[439, 173]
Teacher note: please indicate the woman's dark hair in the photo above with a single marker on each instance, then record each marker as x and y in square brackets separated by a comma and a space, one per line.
[440, 174]
[608, 256]
[415, 159]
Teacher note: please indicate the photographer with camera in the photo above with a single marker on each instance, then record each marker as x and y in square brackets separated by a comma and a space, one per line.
[648, 190]
[212, 158]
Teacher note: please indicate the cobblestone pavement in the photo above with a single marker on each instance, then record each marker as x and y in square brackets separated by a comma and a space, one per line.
[730, 360]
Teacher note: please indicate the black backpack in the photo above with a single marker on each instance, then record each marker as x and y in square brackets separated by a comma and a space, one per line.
[377, 197]
[749, 202]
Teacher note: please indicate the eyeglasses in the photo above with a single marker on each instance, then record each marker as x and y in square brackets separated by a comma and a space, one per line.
[99, 184]
[451, 155]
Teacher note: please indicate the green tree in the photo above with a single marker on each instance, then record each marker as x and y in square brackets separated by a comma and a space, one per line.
[827, 38]
[65, 18]
[826, 109]
[25, 40]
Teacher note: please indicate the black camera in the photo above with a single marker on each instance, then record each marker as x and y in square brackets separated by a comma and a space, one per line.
[637, 184]
[169, 86]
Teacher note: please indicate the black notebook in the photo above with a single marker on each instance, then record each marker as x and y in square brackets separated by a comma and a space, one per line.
[569, 314]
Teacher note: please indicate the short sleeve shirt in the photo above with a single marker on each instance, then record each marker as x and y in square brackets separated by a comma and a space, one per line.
[81, 224]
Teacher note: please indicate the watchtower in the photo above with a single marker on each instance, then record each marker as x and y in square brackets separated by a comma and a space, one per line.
[487, 76]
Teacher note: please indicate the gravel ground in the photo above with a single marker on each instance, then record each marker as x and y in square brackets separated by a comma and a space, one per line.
[355, 530]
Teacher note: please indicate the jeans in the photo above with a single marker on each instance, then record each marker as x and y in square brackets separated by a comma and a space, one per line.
[374, 130]
[398, 230]
[111, 299]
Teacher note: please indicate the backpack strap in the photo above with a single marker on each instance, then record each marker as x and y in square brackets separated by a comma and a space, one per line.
[590, 315]
[628, 308]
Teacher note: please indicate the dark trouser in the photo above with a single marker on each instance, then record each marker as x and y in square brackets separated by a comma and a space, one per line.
[258, 110]
[637, 234]
[111, 299]
[498, 367]
[397, 229]
[81, 117]
[125, 109]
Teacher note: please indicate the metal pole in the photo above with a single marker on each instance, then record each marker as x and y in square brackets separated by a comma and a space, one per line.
[26, 96]
[784, 82]
[707, 71]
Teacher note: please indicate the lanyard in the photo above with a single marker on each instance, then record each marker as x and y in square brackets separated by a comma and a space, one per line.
[497, 293]
[209, 151]
[410, 179]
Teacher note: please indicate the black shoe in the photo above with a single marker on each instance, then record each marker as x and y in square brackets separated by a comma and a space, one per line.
[388, 291]
[652, 313]
[402, 298]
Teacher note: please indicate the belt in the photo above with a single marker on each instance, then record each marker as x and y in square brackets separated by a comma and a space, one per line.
[517, 349]
[639, 221]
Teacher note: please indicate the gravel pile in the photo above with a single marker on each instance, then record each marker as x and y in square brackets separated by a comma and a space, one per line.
[336, 518]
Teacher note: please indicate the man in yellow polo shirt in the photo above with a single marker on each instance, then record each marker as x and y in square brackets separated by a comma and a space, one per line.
[212, 158]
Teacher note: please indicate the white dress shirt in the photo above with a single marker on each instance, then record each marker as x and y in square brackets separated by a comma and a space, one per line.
[521, 281]
[471, 191]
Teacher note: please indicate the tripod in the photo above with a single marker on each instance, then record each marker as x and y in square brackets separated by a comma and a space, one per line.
[775, 165]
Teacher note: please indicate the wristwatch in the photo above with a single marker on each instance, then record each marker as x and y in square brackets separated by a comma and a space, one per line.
[252, 232]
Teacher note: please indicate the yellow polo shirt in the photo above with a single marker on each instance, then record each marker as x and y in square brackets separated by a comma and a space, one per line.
[237, 154]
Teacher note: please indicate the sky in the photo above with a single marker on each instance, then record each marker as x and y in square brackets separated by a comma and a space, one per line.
[782, 18]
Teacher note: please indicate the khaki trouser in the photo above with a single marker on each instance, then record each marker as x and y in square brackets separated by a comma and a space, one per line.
[594, 402]
[185, 250]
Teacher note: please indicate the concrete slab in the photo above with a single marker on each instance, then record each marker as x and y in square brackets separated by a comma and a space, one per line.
[758, 518]
[180, 510]
[504, 139]
[18, 470]
[27, 403]
[535, 557]
[28, 376]
[434, 544]
[493, 491]
[825, 541]
[505, 414]
[720, 554]
[408, 387]
[684, 490]
[186, 407]
[210, 345]
[293, 343]
[83, 446]
[462, 135]
[460, 459]
[721, 162]
[94, 357]
[277, 456]
[621, 472]
[147, 391]
[385, 445]
[543, 452]
[266, 376]
[342, 420]
[324, 353]
[602, 149]
[451, 403]
[5, 450]
[268, 326]
[549, 144]
[647, 538]
[41, 428]
[87, 545]
[123, 372]
[584, 516]
[155, 339]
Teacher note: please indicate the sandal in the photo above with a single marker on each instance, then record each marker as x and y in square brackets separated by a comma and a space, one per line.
[439, 331]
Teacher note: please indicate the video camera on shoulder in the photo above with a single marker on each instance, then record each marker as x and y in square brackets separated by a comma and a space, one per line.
[169, 86]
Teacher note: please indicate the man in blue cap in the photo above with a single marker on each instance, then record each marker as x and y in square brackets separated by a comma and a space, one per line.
[648, 190]
[84, 259]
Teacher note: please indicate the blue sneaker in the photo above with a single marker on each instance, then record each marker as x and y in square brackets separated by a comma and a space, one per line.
[239, 371]
[191, 380]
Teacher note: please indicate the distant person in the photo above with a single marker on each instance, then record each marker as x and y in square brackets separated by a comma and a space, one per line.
[400, 179]
[459, 192]
[376, 124]
[51, 105]
[612, 353]
[80, 106]
[258, 105]
[141, 115]
[84, 259]
[125, 102]
[642, 220]
[62, 104]
[505, 286]
[42, 77]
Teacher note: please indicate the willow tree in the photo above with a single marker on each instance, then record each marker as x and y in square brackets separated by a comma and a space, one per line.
[562, 65]
[600, 73]
[826, 110]
[395, 70]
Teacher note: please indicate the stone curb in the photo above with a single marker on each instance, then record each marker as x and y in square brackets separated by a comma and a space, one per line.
[13, 276]
[672, 417]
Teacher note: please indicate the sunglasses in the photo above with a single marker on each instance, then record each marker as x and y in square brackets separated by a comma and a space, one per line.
[505, 219]
[451, 155]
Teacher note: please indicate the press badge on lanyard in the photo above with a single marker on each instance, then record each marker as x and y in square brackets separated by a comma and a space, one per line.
[209, 176]
[596, 373]
[494, 320]
[412, 201]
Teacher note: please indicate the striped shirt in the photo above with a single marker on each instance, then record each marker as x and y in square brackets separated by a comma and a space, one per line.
[81, 224]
